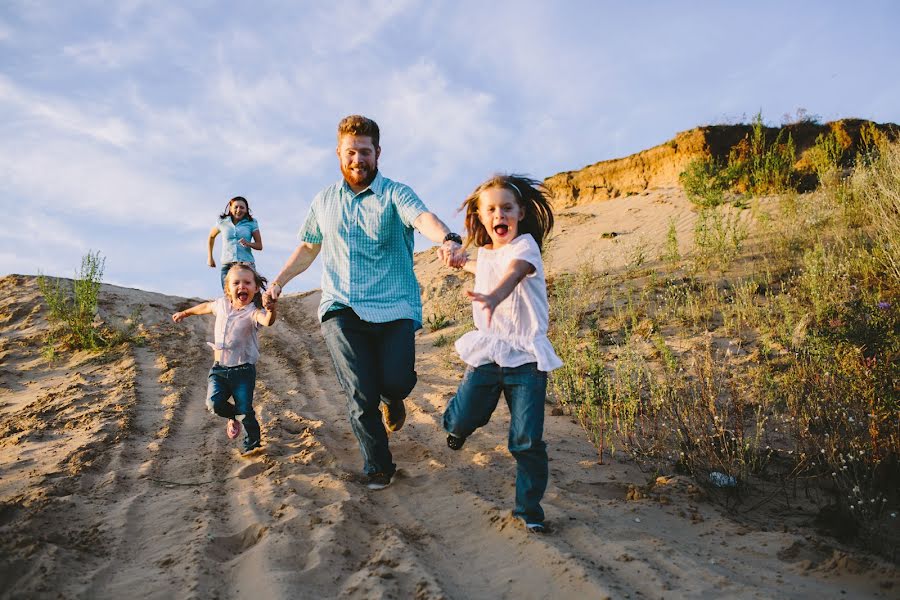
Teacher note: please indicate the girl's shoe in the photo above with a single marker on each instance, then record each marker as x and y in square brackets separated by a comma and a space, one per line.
[536, 528]
[251, 446]
[455, 443]
[233, 429]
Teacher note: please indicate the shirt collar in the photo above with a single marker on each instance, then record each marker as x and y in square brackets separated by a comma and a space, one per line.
[377, 186]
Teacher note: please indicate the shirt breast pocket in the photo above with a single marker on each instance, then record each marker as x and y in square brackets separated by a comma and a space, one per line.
[375, 217]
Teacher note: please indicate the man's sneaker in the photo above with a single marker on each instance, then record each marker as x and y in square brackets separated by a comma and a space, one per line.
[394, 414]
[378, 481]
[233, 429]
[455, 443]
[537, 528]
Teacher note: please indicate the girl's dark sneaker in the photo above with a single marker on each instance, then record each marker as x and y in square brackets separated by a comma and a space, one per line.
[455, 443]
[251, 446]
[233, 429]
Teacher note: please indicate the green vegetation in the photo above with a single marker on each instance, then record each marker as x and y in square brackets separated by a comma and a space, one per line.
[780, 367]
[755, 166]
[73, 311]
[437, 320]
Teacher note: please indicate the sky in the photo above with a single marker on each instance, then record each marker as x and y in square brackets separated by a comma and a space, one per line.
[126, 126]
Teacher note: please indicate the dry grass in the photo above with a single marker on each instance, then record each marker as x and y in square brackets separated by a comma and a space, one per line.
[777, 363]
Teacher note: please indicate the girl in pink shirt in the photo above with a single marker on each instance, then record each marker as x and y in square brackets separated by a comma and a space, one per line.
[239, 315]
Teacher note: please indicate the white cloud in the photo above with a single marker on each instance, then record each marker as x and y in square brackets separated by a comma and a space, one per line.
[350, 25]
[55, 115]
[81, 180]
[105, 54]
[436, 125]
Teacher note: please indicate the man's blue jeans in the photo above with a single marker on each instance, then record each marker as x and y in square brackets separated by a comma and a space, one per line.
[524, 388]
[238, 383]
[374, 363]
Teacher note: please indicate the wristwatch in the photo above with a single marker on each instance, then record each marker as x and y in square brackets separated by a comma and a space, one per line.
[453, 237]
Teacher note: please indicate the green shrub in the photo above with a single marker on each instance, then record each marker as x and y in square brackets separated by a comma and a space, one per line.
[825, 157]
[73, 314]
[759, 167]
[705, 182]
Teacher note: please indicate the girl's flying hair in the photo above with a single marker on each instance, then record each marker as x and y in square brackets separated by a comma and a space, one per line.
[227, 212]
[260, 281]
[531, 195]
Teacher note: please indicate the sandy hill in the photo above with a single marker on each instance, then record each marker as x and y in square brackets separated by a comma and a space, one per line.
[660, 166]
[116, 483]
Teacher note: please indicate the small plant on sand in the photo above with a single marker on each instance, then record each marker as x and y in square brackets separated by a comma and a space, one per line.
[711, 420]
[74, 323]
[74, 313]
[670, 250]
[437, 320]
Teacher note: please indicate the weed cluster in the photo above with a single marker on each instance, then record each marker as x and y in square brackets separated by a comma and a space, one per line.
[755, 166]
[73, 311]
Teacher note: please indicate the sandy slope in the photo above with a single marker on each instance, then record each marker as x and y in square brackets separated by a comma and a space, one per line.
[116, 483]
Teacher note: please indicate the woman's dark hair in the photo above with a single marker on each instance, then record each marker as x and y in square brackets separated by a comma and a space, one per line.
[261, 281]
[531, 195]
[227, 212]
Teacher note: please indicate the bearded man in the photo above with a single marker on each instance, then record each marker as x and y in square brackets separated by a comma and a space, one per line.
[371, 305]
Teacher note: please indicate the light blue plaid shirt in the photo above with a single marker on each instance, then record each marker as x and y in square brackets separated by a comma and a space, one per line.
[367, 249]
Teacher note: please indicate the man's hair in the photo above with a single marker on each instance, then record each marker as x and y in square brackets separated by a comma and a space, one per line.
[359, 125]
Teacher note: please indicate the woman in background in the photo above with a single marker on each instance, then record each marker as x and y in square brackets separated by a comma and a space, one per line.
[240, 236]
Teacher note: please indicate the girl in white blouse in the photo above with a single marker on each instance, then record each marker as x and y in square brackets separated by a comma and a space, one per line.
[239, 314]
[507, 218]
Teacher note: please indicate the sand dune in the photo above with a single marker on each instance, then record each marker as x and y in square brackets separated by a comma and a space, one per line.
[116, 483]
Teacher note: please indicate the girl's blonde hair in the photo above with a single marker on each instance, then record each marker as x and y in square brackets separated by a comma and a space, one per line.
[531, 195]
[260, 282]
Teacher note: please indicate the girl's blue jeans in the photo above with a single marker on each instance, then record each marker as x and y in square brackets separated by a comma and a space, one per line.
[238, 383]
[374, 363]
[524, 388]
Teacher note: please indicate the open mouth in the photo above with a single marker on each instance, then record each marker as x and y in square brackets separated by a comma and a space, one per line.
[501, 229]
[243, 296]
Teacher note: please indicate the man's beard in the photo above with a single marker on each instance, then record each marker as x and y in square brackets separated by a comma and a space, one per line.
[353, 179]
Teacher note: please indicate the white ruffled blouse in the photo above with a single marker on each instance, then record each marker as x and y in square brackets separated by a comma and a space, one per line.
[518, 331]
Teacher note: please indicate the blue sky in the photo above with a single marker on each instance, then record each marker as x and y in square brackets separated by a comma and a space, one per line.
[126, 126]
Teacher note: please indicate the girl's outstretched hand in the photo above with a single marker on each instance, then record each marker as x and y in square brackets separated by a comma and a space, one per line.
[211, 262]
[178, 317]
[487, 301]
